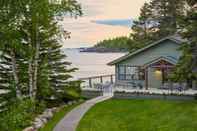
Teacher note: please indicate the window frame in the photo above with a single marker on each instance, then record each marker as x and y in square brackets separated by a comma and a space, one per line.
[125, 75]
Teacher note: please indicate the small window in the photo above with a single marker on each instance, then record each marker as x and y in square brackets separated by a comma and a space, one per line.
[121, 77]
[129, 70]
[126, 72]
[121, 70]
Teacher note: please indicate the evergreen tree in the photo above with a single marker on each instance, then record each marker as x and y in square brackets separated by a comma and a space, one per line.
[116, 44]
[166, 14]
[53, 67]
[40, 18]
[142, 28]
[187, 62]
[28, 31]
[158, 19]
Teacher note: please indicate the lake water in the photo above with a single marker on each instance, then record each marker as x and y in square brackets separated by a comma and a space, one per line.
[91, 64]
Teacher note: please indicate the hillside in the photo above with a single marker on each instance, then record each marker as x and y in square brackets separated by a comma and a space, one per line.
[115, 44]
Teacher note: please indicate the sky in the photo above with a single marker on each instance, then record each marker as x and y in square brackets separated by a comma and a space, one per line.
[102, 19]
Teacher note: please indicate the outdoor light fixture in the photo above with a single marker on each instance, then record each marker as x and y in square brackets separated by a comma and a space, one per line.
[158, 72]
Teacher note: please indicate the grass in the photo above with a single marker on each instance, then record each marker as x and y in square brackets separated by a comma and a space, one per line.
[141, 115]
[57, 117]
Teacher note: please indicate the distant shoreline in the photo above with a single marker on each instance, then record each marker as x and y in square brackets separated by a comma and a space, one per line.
[101, 50]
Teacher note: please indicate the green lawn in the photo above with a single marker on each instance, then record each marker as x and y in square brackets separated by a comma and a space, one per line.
[141, 115]
[57, 117]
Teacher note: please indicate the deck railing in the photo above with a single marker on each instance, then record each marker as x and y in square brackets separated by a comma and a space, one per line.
[95, 82]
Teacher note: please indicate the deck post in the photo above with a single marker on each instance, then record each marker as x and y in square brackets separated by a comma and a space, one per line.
[112, 79]
[146, 78]
[90, 82]
[101, 79]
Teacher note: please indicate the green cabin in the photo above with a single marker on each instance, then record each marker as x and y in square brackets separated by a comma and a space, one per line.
[150, 66]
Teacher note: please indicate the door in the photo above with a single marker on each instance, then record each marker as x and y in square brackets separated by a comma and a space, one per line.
[154, 78]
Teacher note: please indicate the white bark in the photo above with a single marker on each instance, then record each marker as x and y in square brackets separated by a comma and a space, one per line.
[30, 74]
[37, 56]
[36, 59]
[15, 75]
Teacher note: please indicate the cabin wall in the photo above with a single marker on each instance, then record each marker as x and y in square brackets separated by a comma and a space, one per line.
[166, 48]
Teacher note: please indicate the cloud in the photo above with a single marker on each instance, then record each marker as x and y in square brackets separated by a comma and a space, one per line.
[102, 19]
[118, 22]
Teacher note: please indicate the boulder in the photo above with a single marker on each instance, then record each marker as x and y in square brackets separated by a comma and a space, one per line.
[29, 129]
[38, 123]
[44, 120]
[80, 100]
[70, 103]
[74, 102]
[47, 114]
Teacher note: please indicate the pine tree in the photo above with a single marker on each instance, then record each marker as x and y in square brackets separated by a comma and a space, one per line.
[25, 27]
[187, 62]
[158, 19]
[141, 30]
[54, 68]
[40, 17]
[166, 14]
[6, 82]
[9, 51]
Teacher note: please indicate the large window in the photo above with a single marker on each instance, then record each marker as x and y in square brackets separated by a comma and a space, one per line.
[126, 72]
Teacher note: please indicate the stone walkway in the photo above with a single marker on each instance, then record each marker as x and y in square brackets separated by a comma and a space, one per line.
[71, 120]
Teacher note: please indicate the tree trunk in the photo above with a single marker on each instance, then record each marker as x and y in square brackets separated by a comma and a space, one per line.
[15, 75]
[30, 74]
[37, 54]
[36, 59]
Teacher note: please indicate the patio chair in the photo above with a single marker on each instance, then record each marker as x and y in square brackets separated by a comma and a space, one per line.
[98, 86]
[184, 86]
[165, 86]
[132, 84]
[177, 87]
[140, 86]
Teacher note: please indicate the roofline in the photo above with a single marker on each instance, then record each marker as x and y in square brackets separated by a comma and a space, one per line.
[160, 58]
[143, 49]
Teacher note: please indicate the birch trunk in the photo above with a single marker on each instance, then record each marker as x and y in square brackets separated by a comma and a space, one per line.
[35, 75]
[30, 74]
[15, 75]
[36, 59]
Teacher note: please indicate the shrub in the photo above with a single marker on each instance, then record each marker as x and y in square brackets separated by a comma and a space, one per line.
[18, 116]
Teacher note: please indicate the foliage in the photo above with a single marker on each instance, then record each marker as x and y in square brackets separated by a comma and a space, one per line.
[187, 62]
[118, 43]
[158, 19]
[32, 64]
[18, 116]
[140, 115]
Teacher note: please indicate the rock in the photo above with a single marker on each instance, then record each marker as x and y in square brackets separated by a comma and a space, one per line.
[80, 100]
[29, 129]
[54, 109]
[44, 120]
[38, 123]
[74, 102]
[47, 114]
[70, 103]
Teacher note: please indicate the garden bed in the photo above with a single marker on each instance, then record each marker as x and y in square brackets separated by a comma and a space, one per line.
[91, 93]
[140, 95]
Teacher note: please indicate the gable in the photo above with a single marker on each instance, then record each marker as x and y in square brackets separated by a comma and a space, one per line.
[166, 47]
[162, 62]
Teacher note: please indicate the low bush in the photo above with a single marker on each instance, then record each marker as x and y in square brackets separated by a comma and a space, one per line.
[19, 115]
